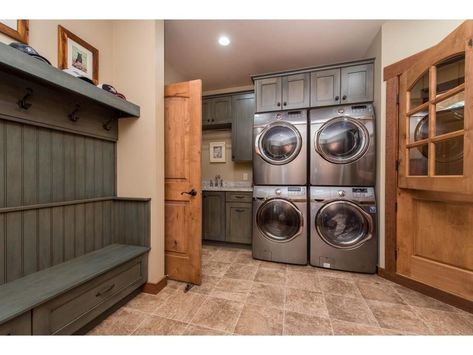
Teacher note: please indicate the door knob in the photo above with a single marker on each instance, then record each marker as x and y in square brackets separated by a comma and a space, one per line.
[191, 192]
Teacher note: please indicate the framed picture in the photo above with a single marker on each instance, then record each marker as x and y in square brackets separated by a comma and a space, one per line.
[217, 152]
[16, 29]
[76, 54]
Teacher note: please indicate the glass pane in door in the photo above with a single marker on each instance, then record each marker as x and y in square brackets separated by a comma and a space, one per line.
[450, 114]
[449, 157]
[450, 73]
[419, 160]
[418, 126]
[419, 93]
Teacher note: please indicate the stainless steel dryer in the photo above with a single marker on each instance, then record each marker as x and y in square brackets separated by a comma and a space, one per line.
[343, 149]
[279, 224]
[280, 148]
[343, 228]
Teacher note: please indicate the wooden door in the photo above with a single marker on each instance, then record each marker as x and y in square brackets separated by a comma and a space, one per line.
[268, 94]
[222, 107]
[325, 88]
[295, 91]
[183, 194]
[434, 232]
[357, 83]
[243, 111]
[214, 215]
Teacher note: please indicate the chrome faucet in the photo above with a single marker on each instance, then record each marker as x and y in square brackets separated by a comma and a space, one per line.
[217, 177]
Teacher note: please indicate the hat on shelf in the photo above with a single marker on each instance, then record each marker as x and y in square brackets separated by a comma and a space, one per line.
[30, 51]
[77, 74]
[112, 90]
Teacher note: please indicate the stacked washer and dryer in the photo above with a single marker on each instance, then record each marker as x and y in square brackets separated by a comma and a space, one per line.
[314, 178]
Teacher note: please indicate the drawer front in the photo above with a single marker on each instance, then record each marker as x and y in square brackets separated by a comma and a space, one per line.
[238, 196]
[68, 313]
[20, 325]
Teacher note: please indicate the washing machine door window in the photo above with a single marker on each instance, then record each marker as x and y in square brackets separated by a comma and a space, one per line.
[279, 143]
[279, 220]
[344, 225]
[342, 140]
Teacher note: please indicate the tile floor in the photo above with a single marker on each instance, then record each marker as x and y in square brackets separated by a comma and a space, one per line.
[243, 296]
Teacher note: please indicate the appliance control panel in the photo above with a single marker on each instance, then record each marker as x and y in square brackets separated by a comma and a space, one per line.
[343, 192]
[295, 116]
[262, 192]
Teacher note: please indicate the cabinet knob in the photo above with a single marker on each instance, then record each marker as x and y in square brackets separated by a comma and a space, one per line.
[337, 98]
[344, 97]
[279, 104]
[285, 103]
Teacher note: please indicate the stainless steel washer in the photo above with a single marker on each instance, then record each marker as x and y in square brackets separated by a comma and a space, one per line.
[279, 224]
[343, 228]
[280, 148]
[343, 149]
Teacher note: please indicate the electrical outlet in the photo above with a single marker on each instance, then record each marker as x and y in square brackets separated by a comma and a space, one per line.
[245, 176]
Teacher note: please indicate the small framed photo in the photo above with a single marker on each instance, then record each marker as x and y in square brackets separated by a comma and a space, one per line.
[16, 29]
[77, 55]
[217, 152]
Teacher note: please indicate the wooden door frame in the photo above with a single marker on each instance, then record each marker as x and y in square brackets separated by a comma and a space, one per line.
[391, 75]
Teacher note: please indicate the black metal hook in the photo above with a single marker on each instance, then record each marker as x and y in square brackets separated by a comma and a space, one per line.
[22, 103]
[108, 125]
[74, 115]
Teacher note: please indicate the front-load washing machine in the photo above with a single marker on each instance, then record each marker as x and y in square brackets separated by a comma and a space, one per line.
[343, 228]
[342, 146]
[280, 148]
[279, 224]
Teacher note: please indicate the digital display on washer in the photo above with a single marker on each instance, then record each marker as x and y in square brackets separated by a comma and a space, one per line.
[360, 190]
[298, 189]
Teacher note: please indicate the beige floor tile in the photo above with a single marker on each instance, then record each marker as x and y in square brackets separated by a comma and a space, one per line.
[218, 314]
[245, 257]
[303, 324]
[208, 283]
[181, 306]
[214, 268]
[338, 286]
[241, 271]
[306, 302]
[302, 280]
[417, 299]
[196, 330]
[271, 276]
[349, 328]
[301, 268]
[225, 255]
[396, 332]
[145, 302]
[176, 285]
[122, 322]
[445, 323]
[154, 325]
[272, 265]
[375, 291]
[349, 309]
[333, 273]
[259, 320]
[397, 317]
[266, 295]
[232, 289]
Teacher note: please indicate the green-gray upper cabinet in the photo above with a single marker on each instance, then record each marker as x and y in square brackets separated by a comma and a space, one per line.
[243, 110]
[206, 112]
[213, 224]
[357, 83]
[295, 91]
[222, 108]
[325, 87]
[268, 94]
[239, 217]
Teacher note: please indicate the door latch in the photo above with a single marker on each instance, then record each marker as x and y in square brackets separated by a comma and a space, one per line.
[191, 193]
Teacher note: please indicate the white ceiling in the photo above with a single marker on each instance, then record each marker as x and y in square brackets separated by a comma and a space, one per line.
[260, 46]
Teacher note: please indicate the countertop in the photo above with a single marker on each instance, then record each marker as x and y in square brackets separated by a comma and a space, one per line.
[237, 186]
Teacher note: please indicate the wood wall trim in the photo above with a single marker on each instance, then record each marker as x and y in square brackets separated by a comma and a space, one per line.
[152, 288]
[392, 87]
[430, 291]
[21, 34]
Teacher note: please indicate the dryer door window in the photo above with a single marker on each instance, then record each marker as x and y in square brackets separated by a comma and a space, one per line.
[344, 225]
[279, 143]
[279, 220]
[342, 140]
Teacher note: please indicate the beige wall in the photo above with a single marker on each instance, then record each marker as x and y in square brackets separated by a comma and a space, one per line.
[399, 39]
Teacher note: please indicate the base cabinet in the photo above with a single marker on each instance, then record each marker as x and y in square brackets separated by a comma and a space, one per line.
[20, 325]
[227, 216]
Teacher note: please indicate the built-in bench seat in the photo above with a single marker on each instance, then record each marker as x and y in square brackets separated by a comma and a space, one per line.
[64, 298]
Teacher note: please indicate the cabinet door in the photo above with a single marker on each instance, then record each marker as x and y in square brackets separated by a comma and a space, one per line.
[357, 84]
[295, 91]
[239, 218]
[207, 116]
[325, 88]
[222, 109]
[268, 94]
[213, 215]
[243, 111]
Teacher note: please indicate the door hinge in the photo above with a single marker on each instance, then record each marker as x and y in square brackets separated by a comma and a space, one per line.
[397, 99]
[397, 164]
[395, 206]
[395, 254]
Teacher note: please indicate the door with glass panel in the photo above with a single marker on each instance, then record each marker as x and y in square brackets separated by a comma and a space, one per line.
[435, 174]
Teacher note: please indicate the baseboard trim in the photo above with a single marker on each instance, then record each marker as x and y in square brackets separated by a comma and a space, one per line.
[155, 288]
[430, 291]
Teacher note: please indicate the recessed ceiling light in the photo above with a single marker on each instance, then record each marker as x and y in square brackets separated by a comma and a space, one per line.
[224, 41]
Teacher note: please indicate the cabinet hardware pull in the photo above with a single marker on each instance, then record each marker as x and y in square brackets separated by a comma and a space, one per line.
[238, 196]
[191, 192]
[285, 103]
[74, 115]
[108, 289]
[22, 103]
[239, 210]
[344, 97]
[279, 104]
[337, 98]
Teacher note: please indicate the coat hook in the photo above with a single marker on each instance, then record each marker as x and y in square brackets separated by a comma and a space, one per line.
[22, 103]
[108, 125]
[74, 115]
